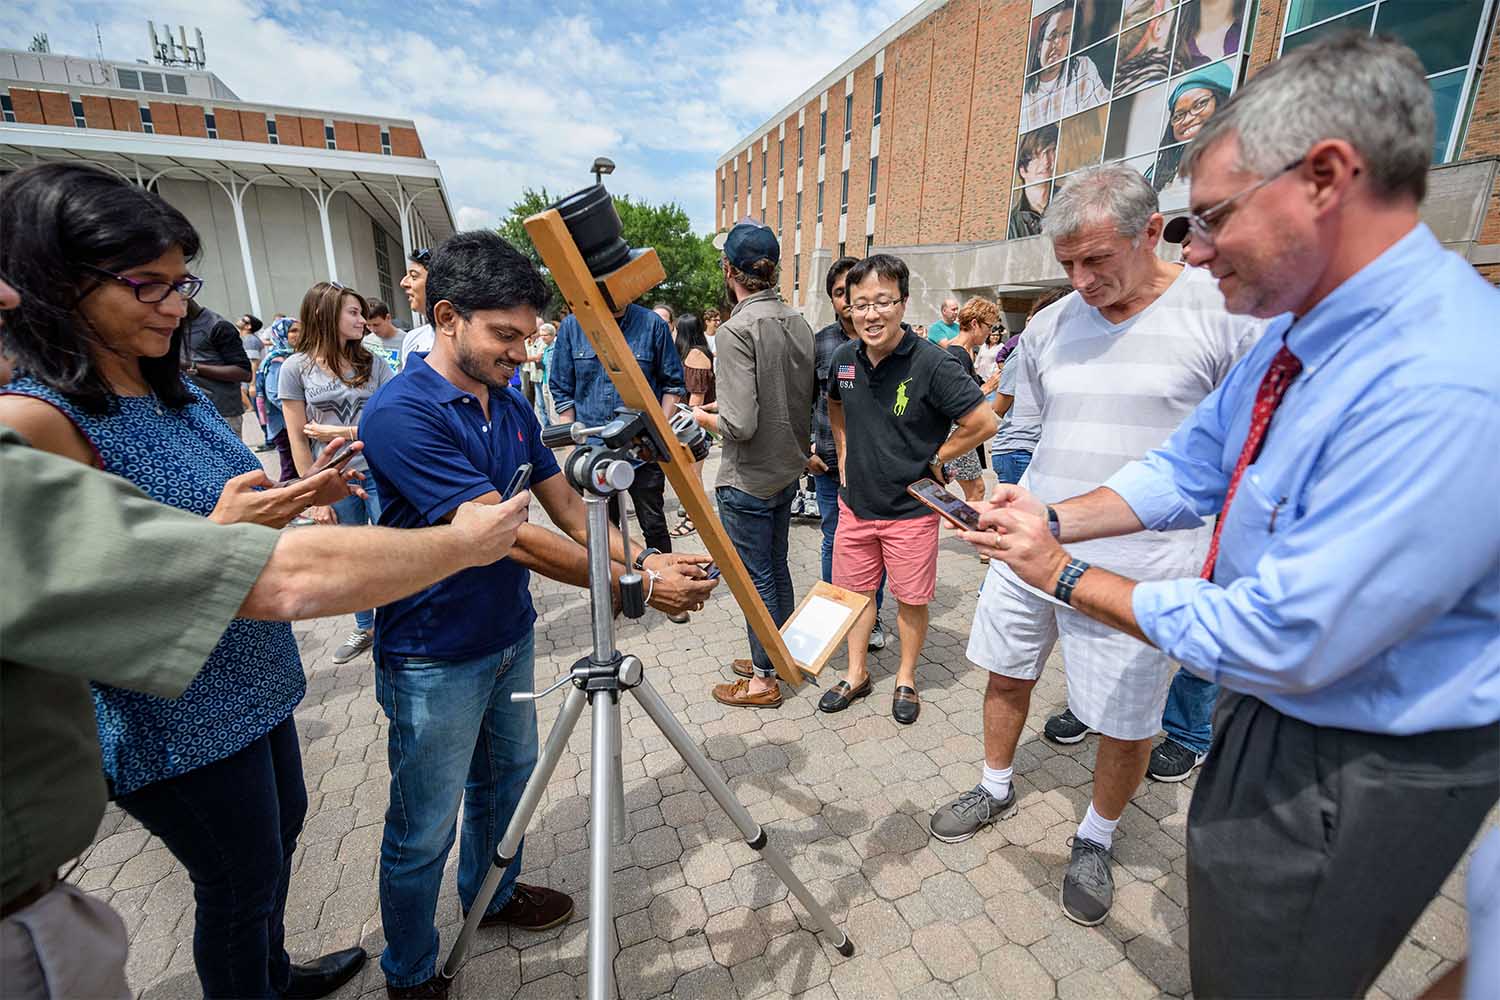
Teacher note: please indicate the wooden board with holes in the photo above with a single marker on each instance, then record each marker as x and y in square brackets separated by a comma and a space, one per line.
[589, 303]
[816, 630]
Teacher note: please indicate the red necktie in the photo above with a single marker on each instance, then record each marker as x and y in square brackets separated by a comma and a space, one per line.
[1284, 368]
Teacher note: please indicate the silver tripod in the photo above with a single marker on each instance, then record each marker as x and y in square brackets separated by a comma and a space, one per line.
[599, 680]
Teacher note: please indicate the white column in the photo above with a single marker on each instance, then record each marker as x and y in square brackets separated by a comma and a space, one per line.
[323, 200]
[236, 200]
[403, 208]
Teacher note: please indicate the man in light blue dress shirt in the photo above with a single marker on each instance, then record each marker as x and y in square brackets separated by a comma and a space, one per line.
[1353, 615]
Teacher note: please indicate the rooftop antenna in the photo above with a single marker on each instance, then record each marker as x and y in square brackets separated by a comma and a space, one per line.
[176, 51]
[39, 43]
[99, 42]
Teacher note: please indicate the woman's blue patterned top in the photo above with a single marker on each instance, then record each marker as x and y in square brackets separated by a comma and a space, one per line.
[253, 680]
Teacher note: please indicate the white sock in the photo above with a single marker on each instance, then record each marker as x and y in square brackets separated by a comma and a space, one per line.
[997, 781]
[1098, 829]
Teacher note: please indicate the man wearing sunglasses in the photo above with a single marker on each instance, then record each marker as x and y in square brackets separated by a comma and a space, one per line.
[1348, 606]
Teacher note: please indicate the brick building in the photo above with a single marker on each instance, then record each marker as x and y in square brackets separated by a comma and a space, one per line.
[913, 143]
[282, 197]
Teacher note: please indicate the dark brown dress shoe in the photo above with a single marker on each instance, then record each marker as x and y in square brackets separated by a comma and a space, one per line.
[532, 908]
[738, 694]
[743, 668]
[433, 989]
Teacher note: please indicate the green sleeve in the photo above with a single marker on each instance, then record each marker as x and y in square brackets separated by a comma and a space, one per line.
[103, 583]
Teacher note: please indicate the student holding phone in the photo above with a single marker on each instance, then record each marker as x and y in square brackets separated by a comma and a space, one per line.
[447, 660]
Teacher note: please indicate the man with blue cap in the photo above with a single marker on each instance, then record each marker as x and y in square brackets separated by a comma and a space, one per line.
[766, 381]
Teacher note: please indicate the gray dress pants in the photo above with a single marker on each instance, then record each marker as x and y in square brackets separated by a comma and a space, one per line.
[1312, 851]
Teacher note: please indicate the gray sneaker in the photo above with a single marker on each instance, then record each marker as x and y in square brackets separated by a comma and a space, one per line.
[877, 637]
[969, 813]
[358, 641]
[1088, 888]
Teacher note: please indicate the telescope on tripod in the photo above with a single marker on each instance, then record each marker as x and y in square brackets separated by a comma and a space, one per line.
[579, 239]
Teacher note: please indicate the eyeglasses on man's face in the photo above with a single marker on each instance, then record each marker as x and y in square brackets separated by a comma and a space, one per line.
[152, 292]
[882, 306]
[1203, 225]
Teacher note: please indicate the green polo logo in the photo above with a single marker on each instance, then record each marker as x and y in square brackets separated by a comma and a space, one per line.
[901, 398]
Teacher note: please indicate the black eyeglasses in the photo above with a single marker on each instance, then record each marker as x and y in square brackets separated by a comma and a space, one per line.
[152, 292]
[422, 256]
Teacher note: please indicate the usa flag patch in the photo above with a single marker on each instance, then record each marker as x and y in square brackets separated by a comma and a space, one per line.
[846, 373]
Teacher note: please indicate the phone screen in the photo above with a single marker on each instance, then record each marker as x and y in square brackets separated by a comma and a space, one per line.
[518, 482]
[936, 496]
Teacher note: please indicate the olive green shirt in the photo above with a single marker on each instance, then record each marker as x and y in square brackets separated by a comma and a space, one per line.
[99, 583]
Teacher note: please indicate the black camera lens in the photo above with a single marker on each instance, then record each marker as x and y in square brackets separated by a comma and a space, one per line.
[595, 227]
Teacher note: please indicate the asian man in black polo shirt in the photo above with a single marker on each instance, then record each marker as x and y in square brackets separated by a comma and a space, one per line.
[892, 399]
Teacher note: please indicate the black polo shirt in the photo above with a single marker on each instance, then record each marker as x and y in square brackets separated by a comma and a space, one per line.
[896, 416]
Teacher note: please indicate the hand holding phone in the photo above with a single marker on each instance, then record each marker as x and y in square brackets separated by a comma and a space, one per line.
[953, 509]
[518, 482]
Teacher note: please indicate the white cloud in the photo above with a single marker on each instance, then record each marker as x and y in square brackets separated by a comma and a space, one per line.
[507, 99]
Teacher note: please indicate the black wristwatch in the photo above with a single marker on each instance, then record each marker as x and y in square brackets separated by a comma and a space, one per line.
[1068, 580]
[1053, 524]
[643, 555]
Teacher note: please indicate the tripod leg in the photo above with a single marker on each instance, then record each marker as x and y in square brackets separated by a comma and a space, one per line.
[621, 826]
[693, 757]
[604, 783]
[505, 851]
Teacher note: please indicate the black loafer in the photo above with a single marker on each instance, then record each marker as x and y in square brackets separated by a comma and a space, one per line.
[905, 706]
[323, 976]
[841, 696]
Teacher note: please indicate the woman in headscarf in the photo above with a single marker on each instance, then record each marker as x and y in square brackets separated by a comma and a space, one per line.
[1194, 99]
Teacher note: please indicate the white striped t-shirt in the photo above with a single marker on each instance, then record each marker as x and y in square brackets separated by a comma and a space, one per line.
[1107, 393]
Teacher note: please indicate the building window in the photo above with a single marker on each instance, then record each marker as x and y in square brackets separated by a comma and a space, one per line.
[781, 157]
[7, 110]
[734, 188]
[799, 147]
[869, 243]
[844, 195]
[129, 79]
[213, 125]
[796, 273]
[820, 201]
[723, 191]
[176, 85]
[848, 116]
[146, 121]
[383, 264]
[822, 131]
[152, 82]
[385, 142]
[779, 203]
[764, 157]
[842, 246]
[874, 175]
[78, 117]
[799, 210]
[879, 92]
[271, 132]
[328, 137]
[1443, 35]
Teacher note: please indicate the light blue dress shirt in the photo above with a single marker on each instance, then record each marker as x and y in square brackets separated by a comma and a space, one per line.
[1358, 579]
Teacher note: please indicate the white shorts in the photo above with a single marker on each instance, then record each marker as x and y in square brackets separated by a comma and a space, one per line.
[1117, 685]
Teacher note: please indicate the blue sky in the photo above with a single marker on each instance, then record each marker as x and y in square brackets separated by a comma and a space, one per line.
[511, 95]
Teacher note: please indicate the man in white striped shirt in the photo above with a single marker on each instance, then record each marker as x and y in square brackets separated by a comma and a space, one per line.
[1108, 372]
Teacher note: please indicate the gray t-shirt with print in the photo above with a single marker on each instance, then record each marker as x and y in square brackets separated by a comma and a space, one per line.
[329, 400]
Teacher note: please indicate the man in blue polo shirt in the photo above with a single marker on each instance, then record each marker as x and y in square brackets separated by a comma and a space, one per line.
[448, 659]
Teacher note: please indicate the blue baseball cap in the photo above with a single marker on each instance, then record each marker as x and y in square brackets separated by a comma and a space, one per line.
[750, 241]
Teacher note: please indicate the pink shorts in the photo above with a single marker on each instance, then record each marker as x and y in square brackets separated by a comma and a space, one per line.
[906, 551]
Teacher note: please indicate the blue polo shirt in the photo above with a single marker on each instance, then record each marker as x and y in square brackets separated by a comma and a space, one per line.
[430, 449]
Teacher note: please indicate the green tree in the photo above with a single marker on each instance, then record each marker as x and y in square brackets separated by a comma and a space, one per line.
[693, 282]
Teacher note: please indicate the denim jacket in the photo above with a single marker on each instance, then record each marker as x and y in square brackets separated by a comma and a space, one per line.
[579, 382]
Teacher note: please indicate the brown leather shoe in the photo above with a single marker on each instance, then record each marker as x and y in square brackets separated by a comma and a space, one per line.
[532, 908]
[433, 989]
[743, 668]
[738, 694]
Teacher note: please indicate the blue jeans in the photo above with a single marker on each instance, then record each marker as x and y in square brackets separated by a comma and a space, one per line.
[353, 510]
[234, 824]
[1009, 465]
[1189, 715]
[759, 529]
[454, 734]
[827, 487]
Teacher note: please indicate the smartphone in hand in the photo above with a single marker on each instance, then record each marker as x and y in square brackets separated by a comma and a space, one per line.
[518, 482]
[953, 509]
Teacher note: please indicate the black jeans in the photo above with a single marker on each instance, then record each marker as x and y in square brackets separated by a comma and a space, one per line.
[648, 492]
[1313, 850]
[234, 824]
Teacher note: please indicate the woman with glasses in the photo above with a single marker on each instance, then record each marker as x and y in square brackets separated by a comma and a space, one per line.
[323, 390]
[1194, 99]
[216, 774]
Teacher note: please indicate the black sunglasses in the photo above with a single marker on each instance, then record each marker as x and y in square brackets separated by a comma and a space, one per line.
[422, 256]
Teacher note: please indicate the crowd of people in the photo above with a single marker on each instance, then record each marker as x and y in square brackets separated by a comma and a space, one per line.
[1313, 633]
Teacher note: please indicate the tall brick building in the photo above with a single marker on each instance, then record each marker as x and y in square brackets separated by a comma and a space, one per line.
[913, 144]
[282, 197]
